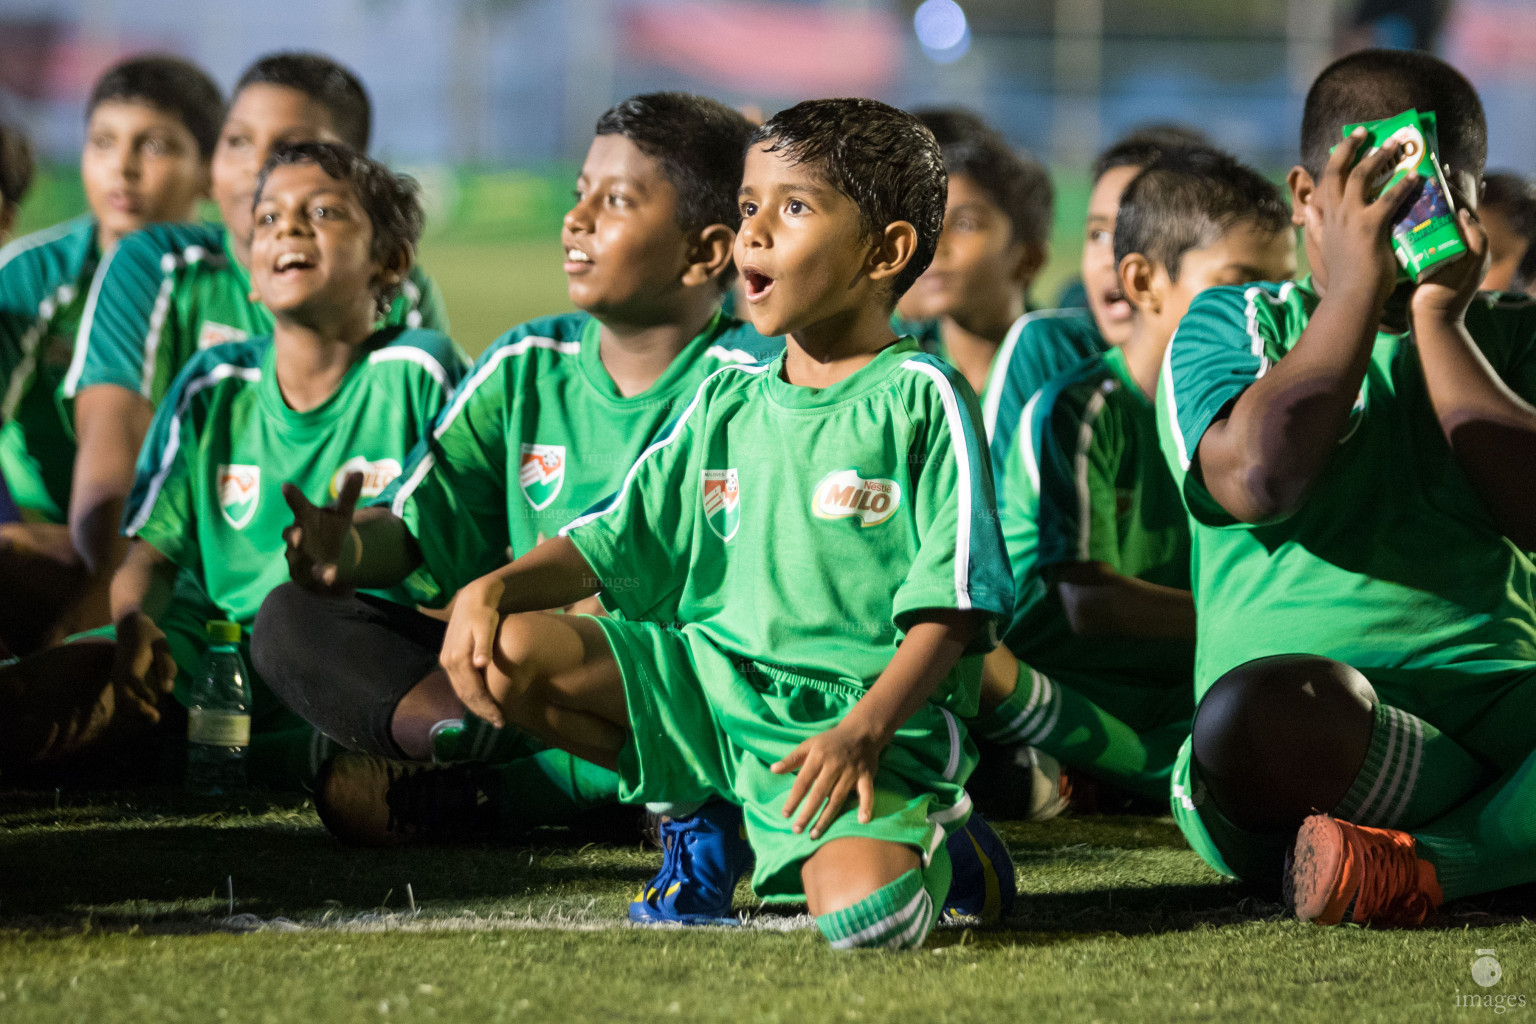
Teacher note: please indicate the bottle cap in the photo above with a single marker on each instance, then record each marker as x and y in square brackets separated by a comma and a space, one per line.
[223, 631]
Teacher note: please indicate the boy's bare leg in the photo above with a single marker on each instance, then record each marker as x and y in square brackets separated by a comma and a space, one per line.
[844, 871]
[555, 677]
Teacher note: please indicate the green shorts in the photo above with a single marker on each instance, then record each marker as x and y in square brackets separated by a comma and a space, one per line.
[704, 724]
[1491, 716]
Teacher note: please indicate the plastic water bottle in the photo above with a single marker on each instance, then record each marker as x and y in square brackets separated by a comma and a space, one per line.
[219, 715]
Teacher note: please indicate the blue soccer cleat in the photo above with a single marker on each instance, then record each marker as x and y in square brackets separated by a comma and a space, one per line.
[983, 885]
[704, 855]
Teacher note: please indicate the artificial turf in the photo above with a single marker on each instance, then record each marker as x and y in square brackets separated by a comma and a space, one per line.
[117, 907]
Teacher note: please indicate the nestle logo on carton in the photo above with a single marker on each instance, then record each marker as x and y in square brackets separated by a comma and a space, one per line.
[845, 493]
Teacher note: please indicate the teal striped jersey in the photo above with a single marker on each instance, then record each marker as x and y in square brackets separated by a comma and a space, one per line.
[1392, 562]
[44, 279]
[172, 290]
[1089, 485]
[809, 529]
[208, 492]
[536, 435]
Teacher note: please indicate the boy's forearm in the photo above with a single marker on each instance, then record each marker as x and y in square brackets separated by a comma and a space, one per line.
[554, 574]
[142, 583]
[925, 657]
[1490, 429]
[1262, 458]
[110, 423]
[1101, 602]
[383, 551]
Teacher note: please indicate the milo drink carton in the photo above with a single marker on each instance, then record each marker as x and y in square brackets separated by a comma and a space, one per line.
[1425, 236]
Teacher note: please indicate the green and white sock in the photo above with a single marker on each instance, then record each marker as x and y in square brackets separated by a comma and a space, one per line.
[896, 916]
[478, 740]
[1489, 841]
[553, 787]
[1413, 773]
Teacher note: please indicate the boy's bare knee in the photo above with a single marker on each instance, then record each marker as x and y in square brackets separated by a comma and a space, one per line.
[845, 871]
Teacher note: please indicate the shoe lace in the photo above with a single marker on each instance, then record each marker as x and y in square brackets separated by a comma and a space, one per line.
[1389, 879]
[431, 799]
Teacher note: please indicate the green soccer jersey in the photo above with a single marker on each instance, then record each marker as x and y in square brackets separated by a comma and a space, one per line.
[1090, 485]
[44, 278]
[172, 290]
[1039, 345]
[208, 494]
[807, 529]
[1393, 562]
[537, 435]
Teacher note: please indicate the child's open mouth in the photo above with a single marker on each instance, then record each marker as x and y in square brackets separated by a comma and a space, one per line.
[758, 284]
[292, 262]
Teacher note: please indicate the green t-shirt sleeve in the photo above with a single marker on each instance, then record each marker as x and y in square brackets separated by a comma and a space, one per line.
[1077, 457]
[119, 327]
[452, 494]
[22, 292]
[160, 509]
[639, 542]
[960, 561]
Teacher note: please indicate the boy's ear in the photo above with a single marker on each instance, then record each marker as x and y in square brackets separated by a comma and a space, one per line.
[1138, 283]
[1028, 259]
[708, 255]
[393, 270]
[1301, 185]
[893, 250]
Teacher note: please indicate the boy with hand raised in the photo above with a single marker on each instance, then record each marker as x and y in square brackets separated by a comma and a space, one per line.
[1096, 667]
[151, 126]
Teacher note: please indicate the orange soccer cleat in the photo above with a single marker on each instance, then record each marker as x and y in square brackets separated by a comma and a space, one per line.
[1339, 873]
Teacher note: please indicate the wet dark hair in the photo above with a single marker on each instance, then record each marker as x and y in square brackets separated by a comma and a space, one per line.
[1015, 182]
[392, 201]
[1145, 144]
[701, 146]
[176, 86]
[1188, 199]
[880, 157]
[323, 80]
[1374, 84]
[1515, 198]
[16, 165]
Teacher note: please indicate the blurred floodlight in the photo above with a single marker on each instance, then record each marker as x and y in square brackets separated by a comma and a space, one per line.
[942, 31]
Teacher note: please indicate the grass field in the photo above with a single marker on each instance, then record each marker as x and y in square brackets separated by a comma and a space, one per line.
[116, 907]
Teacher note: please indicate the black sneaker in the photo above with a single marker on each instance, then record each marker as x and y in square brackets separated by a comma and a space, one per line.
[368, 800]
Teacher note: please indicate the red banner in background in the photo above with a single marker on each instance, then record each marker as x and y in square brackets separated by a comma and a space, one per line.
[770, 48]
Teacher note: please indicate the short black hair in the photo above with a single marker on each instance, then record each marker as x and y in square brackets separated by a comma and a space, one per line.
[1371, 85]
[176, 86]
[1145, 144]
[323, 80]
[392, 201]
[1014, 181]
[880, 157]
[1188, 199]
[701, 145]
[16, 165]
[1515, 198]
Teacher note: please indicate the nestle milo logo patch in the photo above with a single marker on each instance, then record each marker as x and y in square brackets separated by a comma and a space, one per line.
[845, 493]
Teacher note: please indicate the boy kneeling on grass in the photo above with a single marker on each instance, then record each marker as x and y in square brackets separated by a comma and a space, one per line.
[770, 550]
[330, 402]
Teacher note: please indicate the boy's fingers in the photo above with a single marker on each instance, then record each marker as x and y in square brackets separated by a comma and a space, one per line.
[298, 504]
[351, 488]
[813, 802]
[834, 807]
[797, 791]
[470, 688]
[866, 787]
[1337, 169]
[1391, 201]
[1369, 170]
[792, 760]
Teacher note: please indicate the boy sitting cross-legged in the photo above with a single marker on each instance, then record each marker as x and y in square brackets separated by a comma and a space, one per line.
[1354, 451]
[330, 403]
[550, 419]
[769, 551]
[151, 125]
[1097, 664]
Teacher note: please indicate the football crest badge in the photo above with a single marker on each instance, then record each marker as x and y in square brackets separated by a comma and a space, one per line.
[239, 493]
[214, 333]
[722, 502]
[541, 473]
[845, 493]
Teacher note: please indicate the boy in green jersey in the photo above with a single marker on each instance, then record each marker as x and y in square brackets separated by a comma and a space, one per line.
[797, 521]
[1354, 456]
[1097, 664]
[546, 425]
[1508, 213]
[16, 170]
[1043, 343]
[172, 290]
[151, 124]
[330, 405]
[997, 227]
